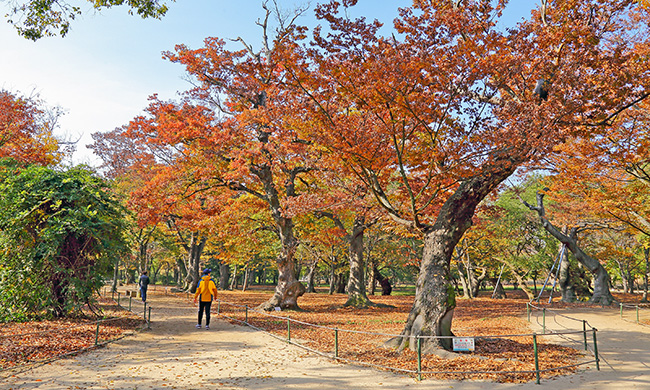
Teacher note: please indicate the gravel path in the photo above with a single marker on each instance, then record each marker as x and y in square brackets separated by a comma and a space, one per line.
[174, 354]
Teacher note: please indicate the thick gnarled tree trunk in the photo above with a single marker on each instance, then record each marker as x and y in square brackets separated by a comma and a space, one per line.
[194, 251]
[357, 295]
[288, 289]
[435, 300]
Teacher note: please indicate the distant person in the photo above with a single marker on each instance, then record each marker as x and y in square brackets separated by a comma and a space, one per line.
[143, 283]
[207, 289]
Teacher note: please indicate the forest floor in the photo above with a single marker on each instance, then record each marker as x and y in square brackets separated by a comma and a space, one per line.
[174, 354]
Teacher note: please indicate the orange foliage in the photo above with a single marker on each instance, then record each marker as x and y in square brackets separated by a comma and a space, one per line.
[26, 130]
[453, 97]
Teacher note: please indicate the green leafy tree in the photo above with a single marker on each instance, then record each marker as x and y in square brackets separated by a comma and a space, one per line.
[35, 19]
[59, 231]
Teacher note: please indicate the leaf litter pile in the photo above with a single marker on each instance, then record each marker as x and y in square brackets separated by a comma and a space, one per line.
[40, 341]
[362, 333]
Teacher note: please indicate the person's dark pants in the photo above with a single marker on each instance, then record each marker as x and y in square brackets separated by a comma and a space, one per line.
[143, 293]
[204, 306]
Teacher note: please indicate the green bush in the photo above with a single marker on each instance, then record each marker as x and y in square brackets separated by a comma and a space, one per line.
[59, 233]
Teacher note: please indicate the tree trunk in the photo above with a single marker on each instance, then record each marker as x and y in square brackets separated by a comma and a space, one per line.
[623, 275]
[288, 289]
[601, 294]
[499, 291]
[476, 281]
[521, 282]
[154, 272]
[646, 254]
[181, 272]
[224, 276]
[466, 272]
[116, 274]
[310, 278]
[356, 283]
[332, 278]
[233, 281]
[143, 247]
[340, 283]
[247, 273]
[298, 270]
[386, 288]
[356, 286]
[463, 280]
[567, 288]
[194, 252]
[435, 300]
[372, 279]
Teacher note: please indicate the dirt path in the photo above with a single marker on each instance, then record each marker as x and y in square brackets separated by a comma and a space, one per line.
[174, 354]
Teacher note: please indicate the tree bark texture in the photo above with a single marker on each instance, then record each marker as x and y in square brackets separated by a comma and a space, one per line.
[332, 278]
[233, 282]
[521, 282]
[115, 274]
[288, 288]
[247, 273]
[357, 296]
[468, 278]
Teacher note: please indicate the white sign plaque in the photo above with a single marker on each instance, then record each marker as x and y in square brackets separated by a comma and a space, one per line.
[463, 343]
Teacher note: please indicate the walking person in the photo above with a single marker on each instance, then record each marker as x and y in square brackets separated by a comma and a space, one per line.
[143, 283]
[207, 289]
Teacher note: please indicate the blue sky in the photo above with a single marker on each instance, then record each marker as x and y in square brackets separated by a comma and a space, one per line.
[103, 71]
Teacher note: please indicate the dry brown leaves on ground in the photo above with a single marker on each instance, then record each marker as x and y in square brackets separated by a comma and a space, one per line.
[38, 341]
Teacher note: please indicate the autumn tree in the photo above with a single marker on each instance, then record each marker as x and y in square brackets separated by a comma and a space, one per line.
[161, 190]
[236, 130]
[26, 130]
[517, 240]
[451, 110]
[323, 240]
[601, 293]
[247, 235]
[606, 180]
[620, 250]
[339, 196]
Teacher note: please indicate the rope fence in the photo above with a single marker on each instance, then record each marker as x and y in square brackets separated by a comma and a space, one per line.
[340, 347]
[639, 314]
[88, 336]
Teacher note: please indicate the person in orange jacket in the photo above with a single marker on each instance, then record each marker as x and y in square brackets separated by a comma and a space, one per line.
[207, 289]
